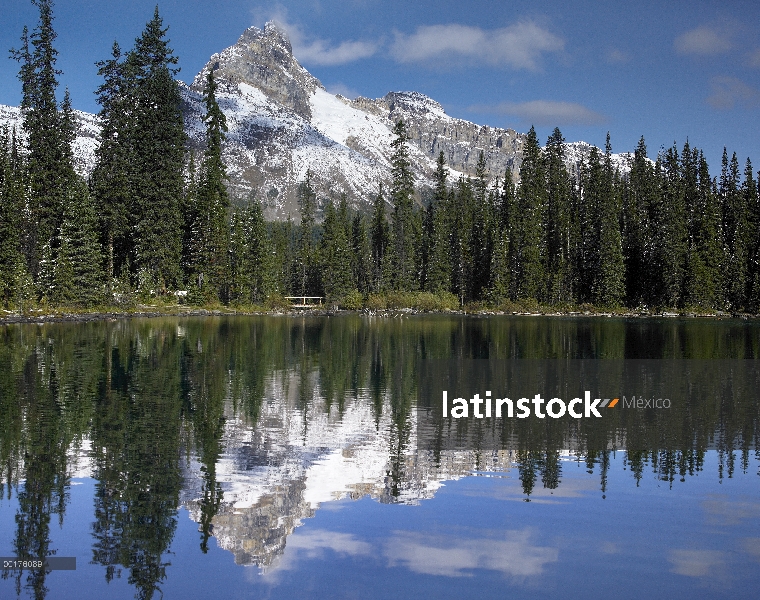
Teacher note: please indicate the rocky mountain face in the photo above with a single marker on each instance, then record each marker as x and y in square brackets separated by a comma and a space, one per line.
[283, 123]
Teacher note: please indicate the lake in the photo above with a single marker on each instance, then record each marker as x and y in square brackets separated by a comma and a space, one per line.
[301, 457]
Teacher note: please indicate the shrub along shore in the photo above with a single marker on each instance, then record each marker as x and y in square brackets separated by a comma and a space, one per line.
[389, 304]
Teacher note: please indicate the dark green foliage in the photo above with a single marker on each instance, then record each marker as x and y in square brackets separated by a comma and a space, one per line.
[361, 254]
[439, 234]
[110, 180]
[404, 229]
[209, 229]
[379, 238]
[461, 201]
[138, 179]
[608, 288]
[558, 222]
[735, 234]
[752, 193]
[637, 197]
[157, 176]
[335, 253]
[484, 230]
[15, 282]
[78, 275]
[306, 280]
[49, 133]
[531, 202]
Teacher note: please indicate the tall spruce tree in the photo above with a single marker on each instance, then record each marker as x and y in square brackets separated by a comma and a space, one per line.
[461, 199]
[361, 253]
[673, 229]
[735, 234]
[753, 202]
[210, 229]
[439, 262]
[335, 253]
[115, 156]
[531, 201]
[403, 231]
[51, 171]
[159, 137]
[306, 275]
[559, 271]
[379, 237]
[609, 282]
[15, 284]
[483, 234]
[78, 269]
[636, 223]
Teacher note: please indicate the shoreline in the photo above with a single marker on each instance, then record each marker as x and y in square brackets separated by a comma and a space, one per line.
[149, 311]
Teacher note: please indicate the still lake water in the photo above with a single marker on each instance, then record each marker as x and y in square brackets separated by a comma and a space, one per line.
[276, 457]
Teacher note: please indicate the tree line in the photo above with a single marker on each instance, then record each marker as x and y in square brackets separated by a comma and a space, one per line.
[154, 218]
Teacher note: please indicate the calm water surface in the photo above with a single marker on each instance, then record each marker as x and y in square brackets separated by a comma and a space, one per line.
[276, 457]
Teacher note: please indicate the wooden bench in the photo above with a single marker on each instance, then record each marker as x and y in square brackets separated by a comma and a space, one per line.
[305, 301]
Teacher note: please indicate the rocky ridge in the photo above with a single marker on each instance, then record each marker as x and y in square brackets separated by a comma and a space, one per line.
[283, 123]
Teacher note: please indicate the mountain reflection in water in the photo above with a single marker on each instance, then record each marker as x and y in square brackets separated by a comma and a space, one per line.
[253, 423]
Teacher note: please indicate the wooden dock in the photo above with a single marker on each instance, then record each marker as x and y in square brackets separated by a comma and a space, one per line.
[305, 301]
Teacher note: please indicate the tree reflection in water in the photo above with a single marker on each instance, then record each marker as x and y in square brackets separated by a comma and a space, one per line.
[149, 394]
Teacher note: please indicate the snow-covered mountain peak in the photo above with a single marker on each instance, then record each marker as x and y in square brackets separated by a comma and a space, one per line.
[414, 102]
[264, 60]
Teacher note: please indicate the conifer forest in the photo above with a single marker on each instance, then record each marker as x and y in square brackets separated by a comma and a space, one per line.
[155, 219]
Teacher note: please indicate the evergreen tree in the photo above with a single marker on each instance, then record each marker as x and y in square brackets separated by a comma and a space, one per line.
[159, 137]
[259, 261]
[483, 230]
[379, 235]
[49, 158]
[638, 234]
[335, 254]
[361, 252]
[305, 272]
[78, 270]
[115, 156]
[461, 200]
[210, 229]
[402, 244]
[735, 235]
[531, 201]
[508, 227]
[559, 271]
[609, 283]
[753, 201]
[13, 272]
[672, 228]
[705, 248]
[439, 231]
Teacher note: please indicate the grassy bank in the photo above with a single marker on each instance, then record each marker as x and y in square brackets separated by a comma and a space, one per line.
[381, 303]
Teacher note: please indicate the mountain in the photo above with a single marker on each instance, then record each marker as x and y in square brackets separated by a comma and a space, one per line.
[282, 123]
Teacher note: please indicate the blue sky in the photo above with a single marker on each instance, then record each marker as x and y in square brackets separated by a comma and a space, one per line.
[665, 70]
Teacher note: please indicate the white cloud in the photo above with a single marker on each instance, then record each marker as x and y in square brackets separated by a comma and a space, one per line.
[703, 41]
[518, 46]
[696, 563]
[546, 112]
[316, 51]
[320, 52]
[729, 92]
[314, 544]
[456, 557]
